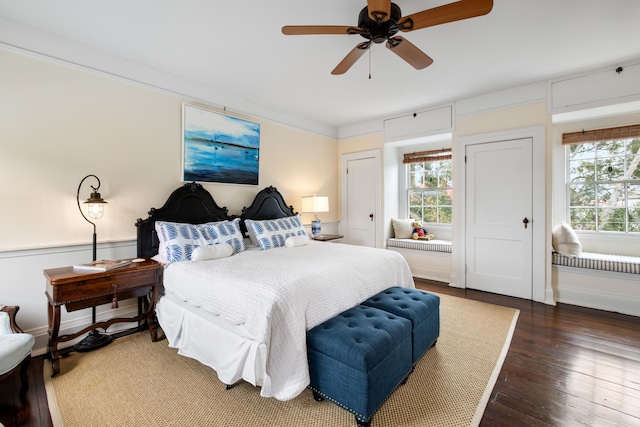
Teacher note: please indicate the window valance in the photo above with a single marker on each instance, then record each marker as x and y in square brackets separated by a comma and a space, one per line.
[427, 156]
[596, 135]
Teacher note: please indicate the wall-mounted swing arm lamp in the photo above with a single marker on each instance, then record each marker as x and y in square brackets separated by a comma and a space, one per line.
[95, 210]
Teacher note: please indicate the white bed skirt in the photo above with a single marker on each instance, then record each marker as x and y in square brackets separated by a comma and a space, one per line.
[214, 342]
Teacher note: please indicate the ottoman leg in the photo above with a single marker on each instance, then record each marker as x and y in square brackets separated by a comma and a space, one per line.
[362, 423]
[317, 396]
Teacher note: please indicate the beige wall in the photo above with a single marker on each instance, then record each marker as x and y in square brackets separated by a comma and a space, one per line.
[60, 123]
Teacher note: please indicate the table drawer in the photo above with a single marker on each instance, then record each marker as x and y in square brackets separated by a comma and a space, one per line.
[104, 286]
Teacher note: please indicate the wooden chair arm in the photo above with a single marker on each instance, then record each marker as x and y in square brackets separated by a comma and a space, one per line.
[12, 310]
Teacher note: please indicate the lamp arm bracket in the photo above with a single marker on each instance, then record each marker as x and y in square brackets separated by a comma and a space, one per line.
[95, 189]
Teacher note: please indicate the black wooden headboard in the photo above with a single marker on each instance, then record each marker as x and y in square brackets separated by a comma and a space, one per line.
[268, 204]
[190, 204]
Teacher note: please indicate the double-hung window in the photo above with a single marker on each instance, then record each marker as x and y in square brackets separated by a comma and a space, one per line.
[429, 187]
[603, 179]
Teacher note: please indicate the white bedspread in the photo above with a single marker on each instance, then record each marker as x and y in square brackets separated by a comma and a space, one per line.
[281, 293]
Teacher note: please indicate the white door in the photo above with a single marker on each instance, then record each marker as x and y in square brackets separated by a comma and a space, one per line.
[360, 203]
[499, 223]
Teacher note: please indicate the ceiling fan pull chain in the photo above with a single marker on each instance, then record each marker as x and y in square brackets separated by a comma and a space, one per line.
[369, 64]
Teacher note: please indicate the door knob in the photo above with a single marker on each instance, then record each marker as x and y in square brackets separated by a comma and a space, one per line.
[525, 221]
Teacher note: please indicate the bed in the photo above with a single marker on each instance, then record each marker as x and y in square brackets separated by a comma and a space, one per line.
[246, 315]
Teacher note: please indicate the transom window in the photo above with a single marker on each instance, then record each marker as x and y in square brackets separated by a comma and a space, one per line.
[429, 191]
[603, 179]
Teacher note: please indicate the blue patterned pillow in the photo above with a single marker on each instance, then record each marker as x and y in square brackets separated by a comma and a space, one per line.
[229, 232]
[178, 240]
[273, 233]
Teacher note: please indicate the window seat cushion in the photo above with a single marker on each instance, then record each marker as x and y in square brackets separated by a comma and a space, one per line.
[596, 261]
[421, 245]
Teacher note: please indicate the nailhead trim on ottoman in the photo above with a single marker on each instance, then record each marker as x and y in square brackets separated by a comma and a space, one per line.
[422, 308]
[358, 358]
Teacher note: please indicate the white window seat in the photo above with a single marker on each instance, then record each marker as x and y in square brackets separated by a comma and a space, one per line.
[601, 281]
[596, 261]
[427, 259]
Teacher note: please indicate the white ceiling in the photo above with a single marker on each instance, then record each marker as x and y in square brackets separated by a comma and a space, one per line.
[237, 47]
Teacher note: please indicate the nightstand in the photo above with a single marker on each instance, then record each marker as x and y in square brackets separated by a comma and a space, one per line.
[327, 237]
[77, 290]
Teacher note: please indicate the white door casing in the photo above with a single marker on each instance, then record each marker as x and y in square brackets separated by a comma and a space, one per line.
[540, 264]
[499, 217]
[361, 198]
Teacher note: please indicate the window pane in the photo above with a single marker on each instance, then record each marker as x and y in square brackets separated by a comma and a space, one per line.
[444, 197]
[610, 148]
[634, 220]
[445, 216]
[582, 195]
[416, 175]
[633, 151]
[611, 195]
[430, 215]
[430, 198]
[416, 213]
[582, 151]
[611, 219]
[610, 169]
[582, 170]
[431, 180]
[415, 198]
[583, 218]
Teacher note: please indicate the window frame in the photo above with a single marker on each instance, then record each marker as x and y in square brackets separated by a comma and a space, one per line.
[408, 189]
[596, 137]
[601, 241]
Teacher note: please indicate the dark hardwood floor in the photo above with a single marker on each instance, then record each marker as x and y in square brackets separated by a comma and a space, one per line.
[567, 366]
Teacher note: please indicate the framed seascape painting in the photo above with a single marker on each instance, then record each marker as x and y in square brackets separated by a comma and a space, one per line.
[219, 148]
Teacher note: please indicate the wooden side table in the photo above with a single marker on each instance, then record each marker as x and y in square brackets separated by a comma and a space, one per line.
[326, 237]
[77, 290]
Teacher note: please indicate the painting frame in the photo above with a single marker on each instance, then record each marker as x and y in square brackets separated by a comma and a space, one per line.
[219, 148]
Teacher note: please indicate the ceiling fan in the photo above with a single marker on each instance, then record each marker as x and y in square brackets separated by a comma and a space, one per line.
[381, 20]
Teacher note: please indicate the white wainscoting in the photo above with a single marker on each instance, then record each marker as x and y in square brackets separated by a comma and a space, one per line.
[603, 290]
[427, 264]
[22, 283]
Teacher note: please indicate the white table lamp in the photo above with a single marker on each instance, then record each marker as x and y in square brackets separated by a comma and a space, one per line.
[315, 204]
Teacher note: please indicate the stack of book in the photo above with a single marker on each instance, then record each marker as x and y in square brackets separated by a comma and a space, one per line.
[101, 265]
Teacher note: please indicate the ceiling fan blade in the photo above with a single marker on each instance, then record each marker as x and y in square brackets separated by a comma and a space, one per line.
[379, 9]
[409, 52]
[451, 12]
[351, 58]
[296, 30]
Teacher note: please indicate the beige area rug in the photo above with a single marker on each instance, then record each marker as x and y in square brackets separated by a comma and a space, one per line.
[134, 382]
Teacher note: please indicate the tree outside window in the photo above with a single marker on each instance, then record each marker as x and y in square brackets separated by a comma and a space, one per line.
[430, 191]
[603, 185]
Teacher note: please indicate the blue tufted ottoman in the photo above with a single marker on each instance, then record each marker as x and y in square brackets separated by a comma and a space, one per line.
[357, 359]
[422, 308]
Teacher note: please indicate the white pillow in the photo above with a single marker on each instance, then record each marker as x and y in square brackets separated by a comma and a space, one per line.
[293, 241]
[565, 241]
[273, 233]
[203, 253]
[402, 228]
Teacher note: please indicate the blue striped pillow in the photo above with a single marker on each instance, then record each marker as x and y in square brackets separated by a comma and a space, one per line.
[178, 240]
[273, 233]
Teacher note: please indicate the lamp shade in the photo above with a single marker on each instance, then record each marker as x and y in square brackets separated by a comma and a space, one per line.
[315, 204]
